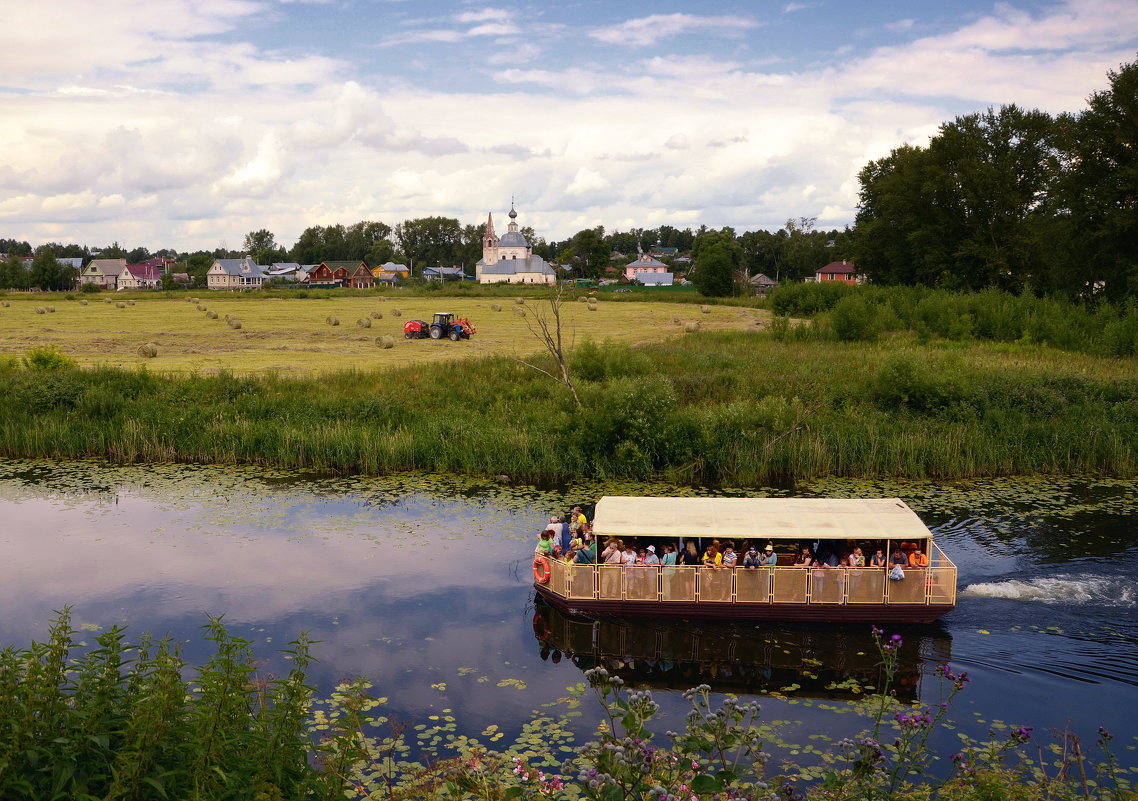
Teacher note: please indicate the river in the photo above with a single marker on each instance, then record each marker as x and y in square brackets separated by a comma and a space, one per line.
[422, 584]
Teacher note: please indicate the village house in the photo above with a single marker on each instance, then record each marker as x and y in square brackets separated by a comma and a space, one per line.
[443, 273]
[838, 271]
[761, 284]
[140, 276]
[389, 268]
[648, 271]
[104, 273]
[233, 274]
[354, 274]
[510, 260]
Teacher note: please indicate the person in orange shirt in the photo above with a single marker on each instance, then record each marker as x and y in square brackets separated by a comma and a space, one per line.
[918, 559]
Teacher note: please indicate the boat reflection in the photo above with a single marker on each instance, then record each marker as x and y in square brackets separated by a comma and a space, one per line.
[808, 661]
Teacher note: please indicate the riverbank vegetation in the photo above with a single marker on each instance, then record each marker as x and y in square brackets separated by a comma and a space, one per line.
[737, 408]
[120, 720]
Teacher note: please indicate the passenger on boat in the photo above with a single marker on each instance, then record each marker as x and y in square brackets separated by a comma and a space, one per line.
[899, 558]
[805, 558]
[878, 558]
[770, 558]
[712, 557]
[629, 556]
[641, 555]
[689, 555]
[544, 543]
[585, 556]
[670, 556]
[751, 559]
[918, 559]
[856, 559]
[729, 556]
[577, 520]
[612, 552]
[650, 558]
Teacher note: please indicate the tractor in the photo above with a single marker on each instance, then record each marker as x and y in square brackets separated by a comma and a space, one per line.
[445, 325]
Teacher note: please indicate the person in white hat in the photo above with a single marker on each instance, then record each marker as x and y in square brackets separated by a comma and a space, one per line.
[770, 558]
[651, 558]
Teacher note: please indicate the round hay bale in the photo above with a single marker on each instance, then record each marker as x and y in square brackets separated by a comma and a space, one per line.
[148, 351]
[235, 324]
[591, 307]
[230, 316]
[380, 299]
[50, 309]
[211, 315]
[107, 300]
[120, 304]
[377, 315]
[130, 303]
[41, 310]
[691, 326]
[201, 307]
[520, 312]
[83, 302]
[385, 342]
[395, 312]
[332, 320]
[5, 303]
[519, 301]
[364, 322]
[495, 307]
[194, 300]
[705, 310]
[582, 299]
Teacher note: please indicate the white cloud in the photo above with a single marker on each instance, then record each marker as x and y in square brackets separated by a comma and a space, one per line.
[647, 31]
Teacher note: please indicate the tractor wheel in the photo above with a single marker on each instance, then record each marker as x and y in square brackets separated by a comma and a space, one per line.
[436, 332]
[406, 334]
[454, 335]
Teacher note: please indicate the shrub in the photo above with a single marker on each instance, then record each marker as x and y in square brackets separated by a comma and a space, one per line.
[904, 383]
[807, 299]
[853, 320]
[46, 358]
[90, 289]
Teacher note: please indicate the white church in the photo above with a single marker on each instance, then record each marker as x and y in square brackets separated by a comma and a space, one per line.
[510, 259]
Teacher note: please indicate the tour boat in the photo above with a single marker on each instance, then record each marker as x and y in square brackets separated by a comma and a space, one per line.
[781, 592]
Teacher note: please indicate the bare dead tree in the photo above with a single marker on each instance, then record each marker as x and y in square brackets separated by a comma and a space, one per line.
[543, 319]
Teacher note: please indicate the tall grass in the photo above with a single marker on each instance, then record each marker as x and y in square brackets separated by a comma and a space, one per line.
[862, 314]
[739, 409]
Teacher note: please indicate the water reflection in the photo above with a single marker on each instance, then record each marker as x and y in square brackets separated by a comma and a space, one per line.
[795, 660]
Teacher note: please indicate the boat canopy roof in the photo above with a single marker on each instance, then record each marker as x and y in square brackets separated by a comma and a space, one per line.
[758, 518]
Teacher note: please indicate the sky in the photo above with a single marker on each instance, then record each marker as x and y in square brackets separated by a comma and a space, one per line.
[186, 124]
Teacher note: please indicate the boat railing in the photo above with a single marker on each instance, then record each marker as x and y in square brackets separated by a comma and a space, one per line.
[932, 585]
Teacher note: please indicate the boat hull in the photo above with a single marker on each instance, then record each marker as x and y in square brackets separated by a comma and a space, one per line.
[710, 610]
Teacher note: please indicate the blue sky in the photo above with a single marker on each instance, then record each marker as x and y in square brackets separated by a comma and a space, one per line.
[187, 124]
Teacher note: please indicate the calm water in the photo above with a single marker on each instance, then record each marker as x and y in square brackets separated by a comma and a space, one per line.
[422, 583]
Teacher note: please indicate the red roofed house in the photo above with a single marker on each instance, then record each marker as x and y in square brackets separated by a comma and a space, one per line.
[140, 276]
[837, 271]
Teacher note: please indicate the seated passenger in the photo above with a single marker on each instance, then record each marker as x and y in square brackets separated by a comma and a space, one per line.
[918, 559]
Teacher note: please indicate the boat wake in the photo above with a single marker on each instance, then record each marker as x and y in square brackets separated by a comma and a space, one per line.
[1083, 590]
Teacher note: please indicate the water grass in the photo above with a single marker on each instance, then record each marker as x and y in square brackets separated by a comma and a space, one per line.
[727, 408]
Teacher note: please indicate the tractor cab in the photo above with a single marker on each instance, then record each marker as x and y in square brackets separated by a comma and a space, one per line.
[444, 319]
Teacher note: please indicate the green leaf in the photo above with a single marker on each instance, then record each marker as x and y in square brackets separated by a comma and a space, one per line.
[705, 784]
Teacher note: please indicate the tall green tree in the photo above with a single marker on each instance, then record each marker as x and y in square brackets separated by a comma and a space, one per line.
[49, 274]
[1101, 192]
[430, 242]
[718, 256]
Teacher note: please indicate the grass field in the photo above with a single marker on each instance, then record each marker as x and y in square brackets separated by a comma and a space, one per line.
[291, 336]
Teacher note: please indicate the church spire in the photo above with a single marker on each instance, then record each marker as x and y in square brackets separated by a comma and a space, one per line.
[490, 224]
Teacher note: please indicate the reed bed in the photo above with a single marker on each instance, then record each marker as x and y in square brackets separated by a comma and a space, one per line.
[718, 408]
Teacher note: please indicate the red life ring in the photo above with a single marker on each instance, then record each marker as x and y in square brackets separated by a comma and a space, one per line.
[541, 627]
[541, 569]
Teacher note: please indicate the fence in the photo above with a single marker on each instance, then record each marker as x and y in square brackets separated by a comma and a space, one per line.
[935, 584]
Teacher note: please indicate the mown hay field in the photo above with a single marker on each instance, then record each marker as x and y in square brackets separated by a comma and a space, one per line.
[293, 336]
